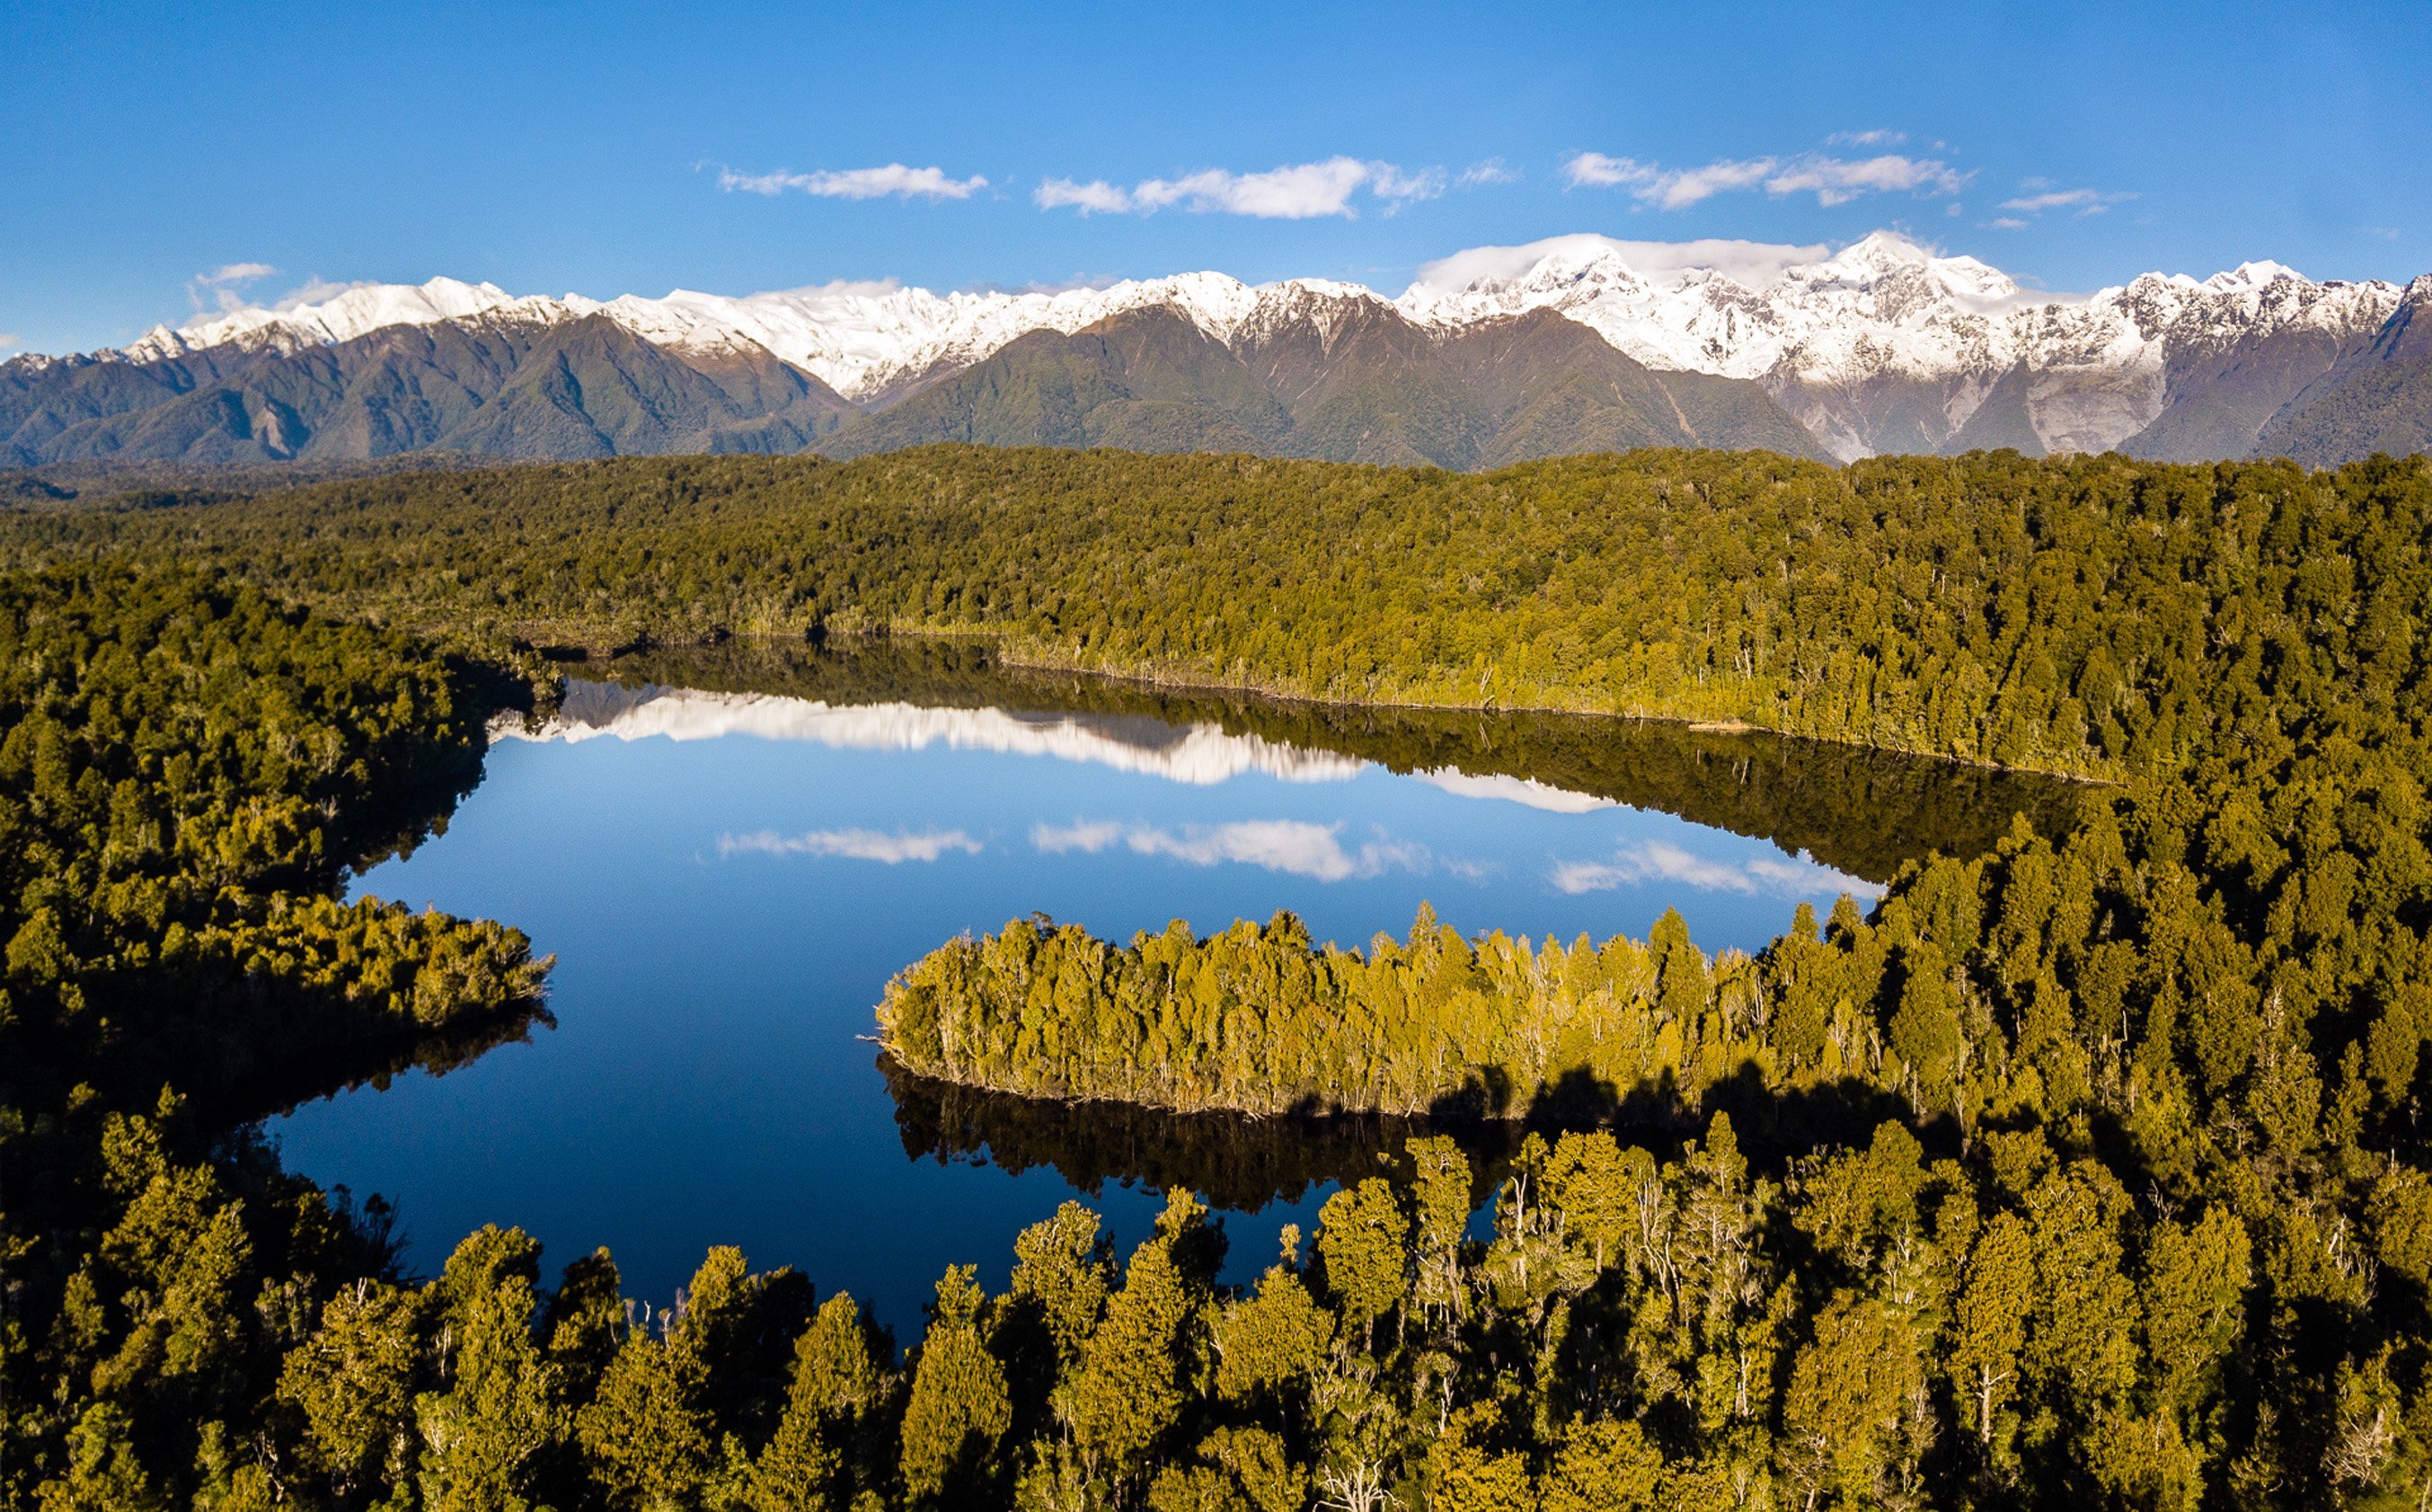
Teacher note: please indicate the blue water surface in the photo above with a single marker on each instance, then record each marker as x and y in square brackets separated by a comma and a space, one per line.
[728, 881]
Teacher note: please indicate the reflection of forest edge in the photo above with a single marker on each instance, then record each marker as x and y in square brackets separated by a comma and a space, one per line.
[1856, 809]
[1242, 1162]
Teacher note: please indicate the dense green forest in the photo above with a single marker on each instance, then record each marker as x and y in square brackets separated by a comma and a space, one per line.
[2087, 1172]
[2046, 615]
[186, 767]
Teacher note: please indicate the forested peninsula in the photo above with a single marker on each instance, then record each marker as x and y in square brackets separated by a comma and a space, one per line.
[2088, 1173]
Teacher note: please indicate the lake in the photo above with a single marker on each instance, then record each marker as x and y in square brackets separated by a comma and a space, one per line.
[731, 853]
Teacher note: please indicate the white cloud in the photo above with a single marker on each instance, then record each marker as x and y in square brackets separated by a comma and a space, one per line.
[220, 284]
[2083, 201]
[1593, 170]
[1302, 191]
[1388, 182]
[2387, 233]
[894, 179]
[1865, 139]
[1659, 861]
[1831, 180]
[1749, 264]
[10, 339]
[1294, 847]
[857, 845]
[2006, 223]
[1097, 196]
[1489, 170]
[1297, 192]
[1086, 836]
[1838, 180]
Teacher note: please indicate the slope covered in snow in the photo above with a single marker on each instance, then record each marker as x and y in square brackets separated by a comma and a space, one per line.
[1834, 338]
[1884, 346]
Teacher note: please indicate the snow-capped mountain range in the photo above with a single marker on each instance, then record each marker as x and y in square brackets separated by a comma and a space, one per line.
[1886, 311]
[1884, 346]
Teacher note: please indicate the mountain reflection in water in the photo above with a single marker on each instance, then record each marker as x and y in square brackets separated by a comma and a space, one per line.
[1854, 810]
[731, 850]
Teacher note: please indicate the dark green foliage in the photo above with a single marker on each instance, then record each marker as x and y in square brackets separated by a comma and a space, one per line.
[2084, 1172]
[2070, 617]
[185, 768]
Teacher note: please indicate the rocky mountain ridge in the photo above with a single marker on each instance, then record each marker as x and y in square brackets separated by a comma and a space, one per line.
[1884, 346]
[1887, 346]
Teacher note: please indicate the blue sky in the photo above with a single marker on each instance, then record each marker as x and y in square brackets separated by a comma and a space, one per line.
[605, 149]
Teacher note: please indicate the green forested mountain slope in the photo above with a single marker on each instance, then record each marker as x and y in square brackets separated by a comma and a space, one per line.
[2378, 399]
[585, 388]
[1369, 387]
[1348, 380]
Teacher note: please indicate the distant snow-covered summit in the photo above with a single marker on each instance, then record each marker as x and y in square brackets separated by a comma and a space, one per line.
[1884, 346]
[1870, 348]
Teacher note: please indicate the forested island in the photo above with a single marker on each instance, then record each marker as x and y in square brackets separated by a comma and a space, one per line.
[2088, 1173]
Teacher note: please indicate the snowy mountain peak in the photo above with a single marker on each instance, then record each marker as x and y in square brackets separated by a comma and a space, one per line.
[1824, 331]
[340, 315]
[2254, 275]
[1871, 259]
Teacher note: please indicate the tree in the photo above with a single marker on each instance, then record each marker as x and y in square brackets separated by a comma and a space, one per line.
[481, 1437]
[1128, 1391]
[1270, 1340]
[1063, 1268]
[102, 1473]
[354, 1383]
[1856, 1417]
[1361, 1243]
[1604, 1466]
[959, 1408]
[644, 1436]
[1440, 1191]
[2194, 1302]
[835, 1383]
[1989, 1326]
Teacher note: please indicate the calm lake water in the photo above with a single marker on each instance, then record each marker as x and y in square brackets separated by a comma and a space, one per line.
[730, 855]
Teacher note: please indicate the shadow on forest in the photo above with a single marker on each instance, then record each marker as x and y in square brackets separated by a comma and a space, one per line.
[1860, 810]
[1842, 1112]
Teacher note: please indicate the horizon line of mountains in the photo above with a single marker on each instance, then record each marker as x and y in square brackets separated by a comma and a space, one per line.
[1503, 356]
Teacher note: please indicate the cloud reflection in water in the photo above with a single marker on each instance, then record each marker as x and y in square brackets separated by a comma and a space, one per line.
[858, 844]
[1659, 861]
[1295, 846]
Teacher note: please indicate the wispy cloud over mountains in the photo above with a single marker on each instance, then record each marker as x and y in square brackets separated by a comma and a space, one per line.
[892, 181]
[1293, 192]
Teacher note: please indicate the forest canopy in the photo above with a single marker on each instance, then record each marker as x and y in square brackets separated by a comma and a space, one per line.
[2085, 1172]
